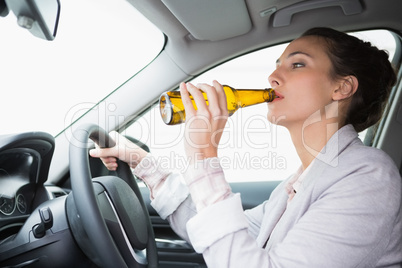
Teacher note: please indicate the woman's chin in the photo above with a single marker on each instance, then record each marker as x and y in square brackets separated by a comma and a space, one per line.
[276, 119]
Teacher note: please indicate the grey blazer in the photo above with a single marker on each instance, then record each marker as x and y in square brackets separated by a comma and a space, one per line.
[348, 209]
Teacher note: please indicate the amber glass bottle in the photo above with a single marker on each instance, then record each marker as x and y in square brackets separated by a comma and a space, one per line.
[172, 109]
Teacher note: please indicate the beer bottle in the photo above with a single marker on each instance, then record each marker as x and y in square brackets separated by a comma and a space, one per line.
[172, 108]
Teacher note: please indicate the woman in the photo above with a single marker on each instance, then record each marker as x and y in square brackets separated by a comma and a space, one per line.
[342, 208]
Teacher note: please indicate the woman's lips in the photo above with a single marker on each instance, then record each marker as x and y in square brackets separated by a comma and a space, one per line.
[278, 96]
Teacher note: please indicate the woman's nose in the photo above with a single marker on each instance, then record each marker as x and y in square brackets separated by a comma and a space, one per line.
[273, 79]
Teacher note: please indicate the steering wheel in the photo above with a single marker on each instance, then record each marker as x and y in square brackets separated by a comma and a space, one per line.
[107, 215]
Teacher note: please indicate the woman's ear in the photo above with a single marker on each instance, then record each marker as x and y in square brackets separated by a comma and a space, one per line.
[347, 87]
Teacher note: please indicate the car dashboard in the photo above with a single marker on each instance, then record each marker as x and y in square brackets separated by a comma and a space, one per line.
[18, 177]
[24, 165]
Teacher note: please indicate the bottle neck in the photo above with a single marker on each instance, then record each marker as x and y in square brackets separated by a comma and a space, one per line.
[248, 97]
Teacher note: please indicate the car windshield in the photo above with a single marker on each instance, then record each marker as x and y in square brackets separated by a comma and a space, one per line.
[46, 84]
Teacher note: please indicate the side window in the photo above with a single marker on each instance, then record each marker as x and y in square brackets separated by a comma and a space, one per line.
[251, 148]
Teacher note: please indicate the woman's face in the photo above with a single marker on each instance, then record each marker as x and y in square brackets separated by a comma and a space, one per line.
[302, 82]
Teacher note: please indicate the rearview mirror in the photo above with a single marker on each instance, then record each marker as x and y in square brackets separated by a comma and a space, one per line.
[40, 17]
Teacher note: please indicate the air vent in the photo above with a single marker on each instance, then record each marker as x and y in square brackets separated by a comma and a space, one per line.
[54, 191]
[58, 194]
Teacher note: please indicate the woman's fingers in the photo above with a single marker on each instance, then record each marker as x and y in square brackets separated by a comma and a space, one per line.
[110, 163]
[216, 96]
[213, 100]
[185, 98]
[105, 156]
[197, 96]
[204, 125]
[124, 150]
[222, 100]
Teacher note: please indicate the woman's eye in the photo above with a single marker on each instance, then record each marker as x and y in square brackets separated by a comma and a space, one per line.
[297, 65]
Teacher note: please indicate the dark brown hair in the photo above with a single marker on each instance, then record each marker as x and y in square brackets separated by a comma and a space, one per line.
[352, 56]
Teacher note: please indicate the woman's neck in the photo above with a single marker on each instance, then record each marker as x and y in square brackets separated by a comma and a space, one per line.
[310, 139]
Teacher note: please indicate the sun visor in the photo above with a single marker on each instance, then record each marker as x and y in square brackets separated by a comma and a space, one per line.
[212, 20]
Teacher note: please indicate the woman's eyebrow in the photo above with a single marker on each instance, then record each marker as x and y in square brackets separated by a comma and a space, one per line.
[293, 54]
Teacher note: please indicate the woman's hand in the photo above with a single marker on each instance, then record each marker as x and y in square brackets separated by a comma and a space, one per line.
[204, 126]
[124, 150]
